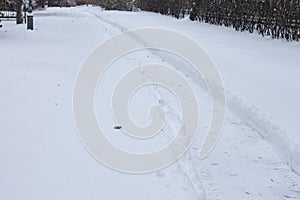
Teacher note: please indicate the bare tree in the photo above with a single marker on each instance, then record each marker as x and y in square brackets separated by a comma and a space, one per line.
[19, 19]
[40, 3]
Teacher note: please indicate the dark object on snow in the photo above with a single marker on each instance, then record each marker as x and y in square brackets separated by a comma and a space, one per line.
[118, 127]
[29, 22]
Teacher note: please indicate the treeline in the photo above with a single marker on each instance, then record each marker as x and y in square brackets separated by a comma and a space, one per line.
[107, 4]
[176, 8]
[275, 18]
[126, 5]
[8, 5]
[54, 3]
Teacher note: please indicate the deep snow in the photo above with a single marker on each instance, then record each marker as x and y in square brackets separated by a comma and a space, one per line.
[42, 157]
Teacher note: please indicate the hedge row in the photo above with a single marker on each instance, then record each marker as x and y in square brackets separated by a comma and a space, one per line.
[275, 18]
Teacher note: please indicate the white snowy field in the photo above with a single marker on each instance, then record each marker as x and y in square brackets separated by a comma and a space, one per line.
[41, 156]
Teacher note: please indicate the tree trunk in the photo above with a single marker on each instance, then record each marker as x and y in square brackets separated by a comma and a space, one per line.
[19, 19]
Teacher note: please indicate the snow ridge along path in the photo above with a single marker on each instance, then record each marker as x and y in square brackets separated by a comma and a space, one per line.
[242, 166]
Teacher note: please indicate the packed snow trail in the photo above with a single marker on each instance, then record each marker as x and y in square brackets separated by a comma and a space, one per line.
[37, 82]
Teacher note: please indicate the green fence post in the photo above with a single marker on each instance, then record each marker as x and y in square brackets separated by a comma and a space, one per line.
[30, 21]
[30, 17]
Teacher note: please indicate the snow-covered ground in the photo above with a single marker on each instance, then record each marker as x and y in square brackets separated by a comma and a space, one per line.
[41, 156]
